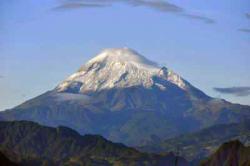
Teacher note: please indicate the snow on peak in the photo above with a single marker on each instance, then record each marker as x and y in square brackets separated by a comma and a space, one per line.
[118, 68]
[122, 55]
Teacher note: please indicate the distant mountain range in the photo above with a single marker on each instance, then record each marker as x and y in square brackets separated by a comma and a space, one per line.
[127, 98]
[27, 143]
[200, 144]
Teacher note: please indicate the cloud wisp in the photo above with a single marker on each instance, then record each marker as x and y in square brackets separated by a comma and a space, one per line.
[247, 15]
[236, 91]
[157, 5]
[77, 5]
[198, 17]
[245, 30]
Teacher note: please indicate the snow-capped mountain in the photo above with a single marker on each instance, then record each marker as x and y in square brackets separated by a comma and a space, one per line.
[127, 98]
[118, 68]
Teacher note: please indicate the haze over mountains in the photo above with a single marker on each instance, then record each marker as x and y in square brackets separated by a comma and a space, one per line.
[199, 145]
[126, 98]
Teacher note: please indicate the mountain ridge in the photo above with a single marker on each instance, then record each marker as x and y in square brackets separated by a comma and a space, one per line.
[201, 144]
[29, 143]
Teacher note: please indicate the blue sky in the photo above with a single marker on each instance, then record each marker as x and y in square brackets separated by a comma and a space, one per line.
[44, 41]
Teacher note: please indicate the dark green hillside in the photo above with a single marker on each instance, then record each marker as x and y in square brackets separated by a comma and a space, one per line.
[6, 161]
[33, 144]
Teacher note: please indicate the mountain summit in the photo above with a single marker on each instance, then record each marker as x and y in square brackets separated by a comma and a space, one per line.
[126, 98]
[118, 68]
[122, 55]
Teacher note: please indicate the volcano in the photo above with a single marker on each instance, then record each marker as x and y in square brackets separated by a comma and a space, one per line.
[127, 98]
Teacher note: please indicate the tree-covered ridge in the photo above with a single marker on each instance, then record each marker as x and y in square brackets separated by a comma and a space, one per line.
[28, 143]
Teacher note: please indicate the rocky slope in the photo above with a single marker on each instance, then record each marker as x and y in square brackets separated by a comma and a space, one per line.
[232, 153]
